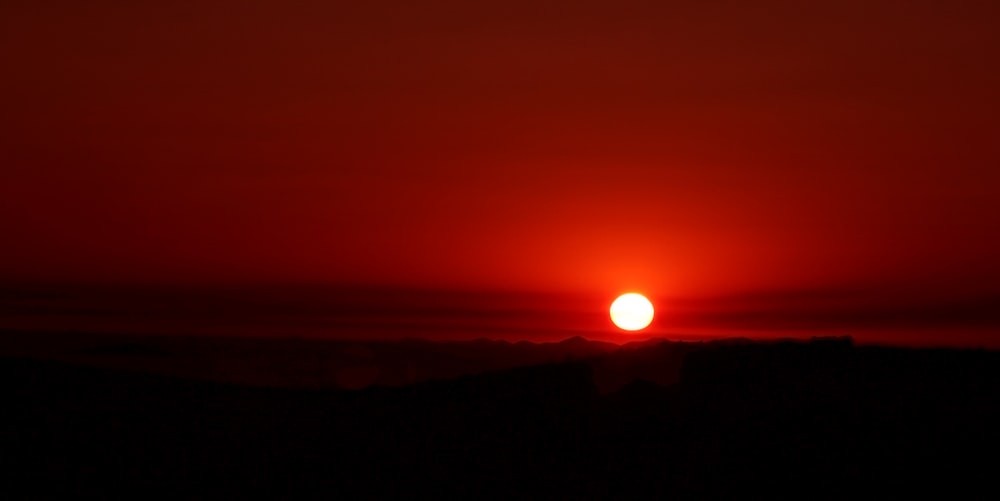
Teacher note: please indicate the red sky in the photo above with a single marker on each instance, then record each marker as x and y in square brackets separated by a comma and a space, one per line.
[693, 150]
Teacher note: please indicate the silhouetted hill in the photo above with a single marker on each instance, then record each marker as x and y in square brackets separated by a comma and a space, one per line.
[817, 420]
[295, 363]
[123, 349]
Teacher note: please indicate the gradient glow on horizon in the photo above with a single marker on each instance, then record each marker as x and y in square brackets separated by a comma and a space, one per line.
[832, 159]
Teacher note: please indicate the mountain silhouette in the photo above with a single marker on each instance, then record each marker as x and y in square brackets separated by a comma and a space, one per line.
[823, 419]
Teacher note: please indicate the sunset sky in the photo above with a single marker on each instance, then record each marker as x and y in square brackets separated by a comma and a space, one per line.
[756, 164]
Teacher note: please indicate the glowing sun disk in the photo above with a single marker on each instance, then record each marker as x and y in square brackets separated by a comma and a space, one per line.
[631, 312]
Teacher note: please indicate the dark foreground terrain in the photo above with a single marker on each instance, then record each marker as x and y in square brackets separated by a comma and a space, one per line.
[822, 419]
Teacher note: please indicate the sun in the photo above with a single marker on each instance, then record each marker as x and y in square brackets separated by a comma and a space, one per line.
[632, 312]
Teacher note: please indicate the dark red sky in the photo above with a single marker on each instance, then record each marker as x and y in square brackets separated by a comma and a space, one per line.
[695, 149]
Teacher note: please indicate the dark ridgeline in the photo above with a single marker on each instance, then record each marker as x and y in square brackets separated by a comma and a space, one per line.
[820, 419]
